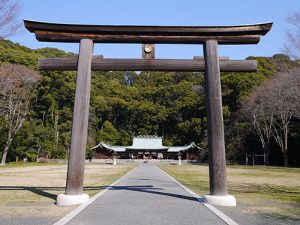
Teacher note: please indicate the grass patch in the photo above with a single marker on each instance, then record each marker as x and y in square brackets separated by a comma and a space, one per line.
[20, 164]
[30, 190]
[265, 190]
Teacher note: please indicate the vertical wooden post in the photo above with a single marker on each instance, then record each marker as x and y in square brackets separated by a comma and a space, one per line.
[216, 146]
[80, 120]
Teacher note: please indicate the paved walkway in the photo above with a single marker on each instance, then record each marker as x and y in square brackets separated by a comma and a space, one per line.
[147, 196]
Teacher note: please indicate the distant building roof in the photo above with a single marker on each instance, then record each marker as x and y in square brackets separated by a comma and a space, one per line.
[147, 142]
[182, 148]
[110, 147]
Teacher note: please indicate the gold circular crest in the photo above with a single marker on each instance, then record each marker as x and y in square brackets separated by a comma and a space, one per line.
[148, 48]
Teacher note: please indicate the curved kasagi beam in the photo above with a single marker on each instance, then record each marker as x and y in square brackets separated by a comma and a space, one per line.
[240, 34]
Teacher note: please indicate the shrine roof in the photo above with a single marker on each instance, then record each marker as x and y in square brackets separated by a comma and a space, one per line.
[146, 142]
[182, 148]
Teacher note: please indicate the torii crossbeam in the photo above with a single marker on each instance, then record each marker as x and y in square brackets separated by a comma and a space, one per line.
[211, 64]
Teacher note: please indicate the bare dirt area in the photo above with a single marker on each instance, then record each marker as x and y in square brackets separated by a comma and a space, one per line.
[265, 195]
[29, 192]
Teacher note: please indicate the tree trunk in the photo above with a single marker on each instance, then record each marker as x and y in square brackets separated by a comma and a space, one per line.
[38, 153]
[285, 151]
[4, 157]
[56, 132]
[267, 154]
[5, 151]
[10, 136]
[285, 159]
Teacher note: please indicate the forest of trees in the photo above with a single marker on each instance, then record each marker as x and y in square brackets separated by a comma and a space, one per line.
[261, 110]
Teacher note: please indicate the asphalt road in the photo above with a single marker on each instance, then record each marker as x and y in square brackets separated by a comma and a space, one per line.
[146, 196]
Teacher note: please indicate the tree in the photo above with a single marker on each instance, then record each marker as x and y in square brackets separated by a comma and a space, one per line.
[292, 46]
[9, 21]
[270, 110]
[292, 90]
[16, 82]
[257, 111]
[286, 89]
[237, 86]
[109, 133]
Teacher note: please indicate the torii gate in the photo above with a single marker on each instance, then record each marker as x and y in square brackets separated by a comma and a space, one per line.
[211, 64]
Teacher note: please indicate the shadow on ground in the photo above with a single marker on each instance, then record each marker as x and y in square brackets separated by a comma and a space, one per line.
[152, 190]
[46, 191]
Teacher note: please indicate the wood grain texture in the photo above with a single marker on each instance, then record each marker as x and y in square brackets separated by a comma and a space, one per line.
[103, 64]
[222, 58]
[216, 145]
[54, 36]
[80, 120]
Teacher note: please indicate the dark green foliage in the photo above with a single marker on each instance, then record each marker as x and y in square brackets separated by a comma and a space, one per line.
[108, 133]
[237, 86]
[89, 154]
[153, 103]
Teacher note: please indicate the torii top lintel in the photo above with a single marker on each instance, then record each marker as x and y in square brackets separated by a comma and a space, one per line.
[241, 34]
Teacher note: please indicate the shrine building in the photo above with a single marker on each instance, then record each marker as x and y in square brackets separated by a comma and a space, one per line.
[147, 147]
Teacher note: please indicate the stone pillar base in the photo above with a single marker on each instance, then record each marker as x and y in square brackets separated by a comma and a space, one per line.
[68, 200]
[226, 200]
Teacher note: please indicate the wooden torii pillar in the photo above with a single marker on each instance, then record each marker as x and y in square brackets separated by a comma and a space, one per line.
[212, 65]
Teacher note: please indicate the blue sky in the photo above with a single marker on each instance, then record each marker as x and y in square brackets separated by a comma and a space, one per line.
[163, 12]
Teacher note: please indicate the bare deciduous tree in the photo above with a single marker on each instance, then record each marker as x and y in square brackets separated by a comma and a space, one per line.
[292, 90]
[259, 115]
[292, 47]
[286, 90]
[16, 82]
[9, 18]
[270, 109]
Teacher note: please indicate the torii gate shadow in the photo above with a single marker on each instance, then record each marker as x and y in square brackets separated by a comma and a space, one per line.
[152, 190]
[44, 191]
